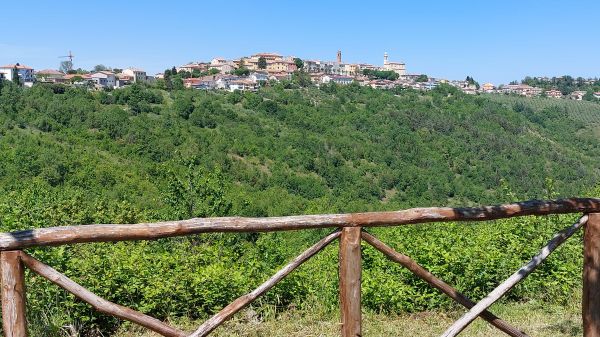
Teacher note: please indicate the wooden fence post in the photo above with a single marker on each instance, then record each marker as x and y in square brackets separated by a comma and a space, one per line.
[14, 319]
[350, 274]
[591, 277]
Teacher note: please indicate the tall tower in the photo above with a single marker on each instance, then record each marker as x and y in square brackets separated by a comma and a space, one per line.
[385, 58]
[339, 56]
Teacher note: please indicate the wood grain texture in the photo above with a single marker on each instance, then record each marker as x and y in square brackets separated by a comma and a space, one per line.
[515, 278]
[591, 277]
[148, 231]
[98, 302]
[350, 281]
[14, 318]
[437, 283]
[241, 302]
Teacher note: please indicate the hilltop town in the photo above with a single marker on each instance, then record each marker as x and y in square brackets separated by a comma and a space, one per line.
[251, 72]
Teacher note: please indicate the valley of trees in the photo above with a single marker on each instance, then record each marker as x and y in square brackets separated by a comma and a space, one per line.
[71, 156]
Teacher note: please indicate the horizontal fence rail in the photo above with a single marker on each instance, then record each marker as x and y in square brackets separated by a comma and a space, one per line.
[350, 232]
[53, 236]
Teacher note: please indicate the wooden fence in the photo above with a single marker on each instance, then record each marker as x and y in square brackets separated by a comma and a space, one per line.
[349, 229]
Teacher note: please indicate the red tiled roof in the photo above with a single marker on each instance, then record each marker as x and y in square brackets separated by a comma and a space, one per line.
[83, 76]
[12, 66]
[49, 72]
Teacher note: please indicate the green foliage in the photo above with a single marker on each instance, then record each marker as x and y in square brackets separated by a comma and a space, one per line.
[472, 81]
[16, 79]
[262, 63]
[382, 74]
[580, 111]
[140, 154]
[138, 98]
[183, 106]
[422, 78]
[301, 78]
[299, 63]
[241, 71]
[196, 193]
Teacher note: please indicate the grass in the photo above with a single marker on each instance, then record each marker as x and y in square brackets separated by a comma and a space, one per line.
[535, 318]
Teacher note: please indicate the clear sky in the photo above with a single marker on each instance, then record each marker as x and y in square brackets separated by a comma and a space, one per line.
[493, 41]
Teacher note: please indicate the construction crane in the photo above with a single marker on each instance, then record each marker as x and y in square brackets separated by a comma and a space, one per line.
[67, 65]
[70, 56]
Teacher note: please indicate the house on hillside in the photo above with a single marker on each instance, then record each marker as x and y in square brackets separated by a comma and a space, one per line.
[521, 89]
[577, 95]
[280, 76]
[242, 84]
[381, 84]
[104, 79]
[25, 73]
[488, 87]
[123, 80]
[554, 93]
[223, 81]
[136, 74]
[597, 95]
[50, 76]
[200, 66]
[79, 80]
[337, 79]
[224, 66]
[281, 65]
[205, 83]
[258, 77]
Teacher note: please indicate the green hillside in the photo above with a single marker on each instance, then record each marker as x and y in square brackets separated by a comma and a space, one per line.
[583, 111]
[69, 156]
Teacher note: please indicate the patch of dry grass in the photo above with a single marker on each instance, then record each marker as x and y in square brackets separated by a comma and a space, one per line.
[535, 318]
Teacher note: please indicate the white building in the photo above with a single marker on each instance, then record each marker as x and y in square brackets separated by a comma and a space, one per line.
[25, 73]
[104, 79]
[137, 75]
[397, 67]
[223, 68]
[258, 77]
[338, 79]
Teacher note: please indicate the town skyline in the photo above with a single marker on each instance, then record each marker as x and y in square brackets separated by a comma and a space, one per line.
[489, 42]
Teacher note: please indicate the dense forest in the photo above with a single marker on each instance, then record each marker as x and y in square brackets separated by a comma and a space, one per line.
[71, 156]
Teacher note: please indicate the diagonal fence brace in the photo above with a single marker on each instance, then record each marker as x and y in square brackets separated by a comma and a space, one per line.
[515, 278]
[241, 302]
[439, 284]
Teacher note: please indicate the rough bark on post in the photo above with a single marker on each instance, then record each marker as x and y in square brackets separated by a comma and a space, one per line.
[591, 277]
[350, 278]
[14, 319]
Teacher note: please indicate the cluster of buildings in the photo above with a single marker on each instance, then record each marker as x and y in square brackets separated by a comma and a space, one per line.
[264, 67]
[267, 67]
[532, 91]
[100, 79]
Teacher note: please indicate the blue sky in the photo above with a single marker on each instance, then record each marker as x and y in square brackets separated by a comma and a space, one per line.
[493, 41]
